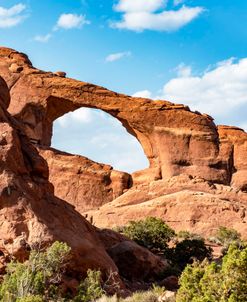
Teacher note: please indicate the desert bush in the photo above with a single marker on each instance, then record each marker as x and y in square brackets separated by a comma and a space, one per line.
[141, 296]
[188, 235]
[31, 299]
[147, 296]
[105, 298]
[152, 233]
[90, 288]
[210, 282]
[33, 278]
[226, 236]
[189, 250]
[214, 240]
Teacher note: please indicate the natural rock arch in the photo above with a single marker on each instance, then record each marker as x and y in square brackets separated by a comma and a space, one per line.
[183, 143]
[174, 139]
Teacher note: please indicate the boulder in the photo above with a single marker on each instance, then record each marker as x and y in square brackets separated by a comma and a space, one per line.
[135, 262]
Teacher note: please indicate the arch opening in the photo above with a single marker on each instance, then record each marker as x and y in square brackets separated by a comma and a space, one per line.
[95, 134]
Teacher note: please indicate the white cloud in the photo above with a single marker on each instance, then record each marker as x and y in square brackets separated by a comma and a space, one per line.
[82, 115]
[140, 15]
[43, 39]
[217, 91]
[183, 70]
[128, 154]
[143, 94]
[244, 126]
[177, 2]
[139, 5]
[97, 135]
[117, 56]
[69, 21]
[10, 17]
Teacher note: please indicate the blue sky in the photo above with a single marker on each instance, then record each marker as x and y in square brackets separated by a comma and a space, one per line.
[192, 52]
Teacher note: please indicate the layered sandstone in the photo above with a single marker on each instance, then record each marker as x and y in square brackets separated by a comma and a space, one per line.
[30, 214]
[82, 182]
[184, 202]
[197, 177]
[234, 145]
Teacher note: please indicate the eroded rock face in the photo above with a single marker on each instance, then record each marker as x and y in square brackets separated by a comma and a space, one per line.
[30, 214]
[185, 203]
[197, 179]
[85, 184]
[234, 145]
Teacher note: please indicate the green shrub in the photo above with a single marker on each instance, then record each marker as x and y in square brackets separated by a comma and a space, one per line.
[184, 234]
[90, 288]
[188, 250]
[147, 296]
[226, 282]
[188, 235]
[144, 296]
[151, 233]
[33, 278]
[105, 298]
[31, 299]
[226, 236]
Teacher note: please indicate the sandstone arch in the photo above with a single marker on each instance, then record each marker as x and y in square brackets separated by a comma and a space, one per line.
[174, 139]
[198, 172]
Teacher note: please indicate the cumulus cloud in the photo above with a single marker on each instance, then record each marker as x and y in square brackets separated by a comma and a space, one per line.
[42, 39]
[82, 116]
[244, 126]
[10, 17]
[139, 5]
[117, 56]
[65, 21]
[69, 21]
[217, 91]
[143, 94]
[183, 70]
[140, 15]
[177, 2]
[97, 135]
[122, 150]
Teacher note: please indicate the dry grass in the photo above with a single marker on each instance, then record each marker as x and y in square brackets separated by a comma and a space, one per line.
[148, 296]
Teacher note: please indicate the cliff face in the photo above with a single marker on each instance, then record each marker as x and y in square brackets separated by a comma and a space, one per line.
[30, 214]
[197, 177]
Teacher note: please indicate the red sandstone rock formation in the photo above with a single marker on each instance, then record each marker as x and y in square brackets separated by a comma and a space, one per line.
[234, 146]
[185, 203]
[30, 214]
[198, 173]
[85, 184]
[174, 139]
